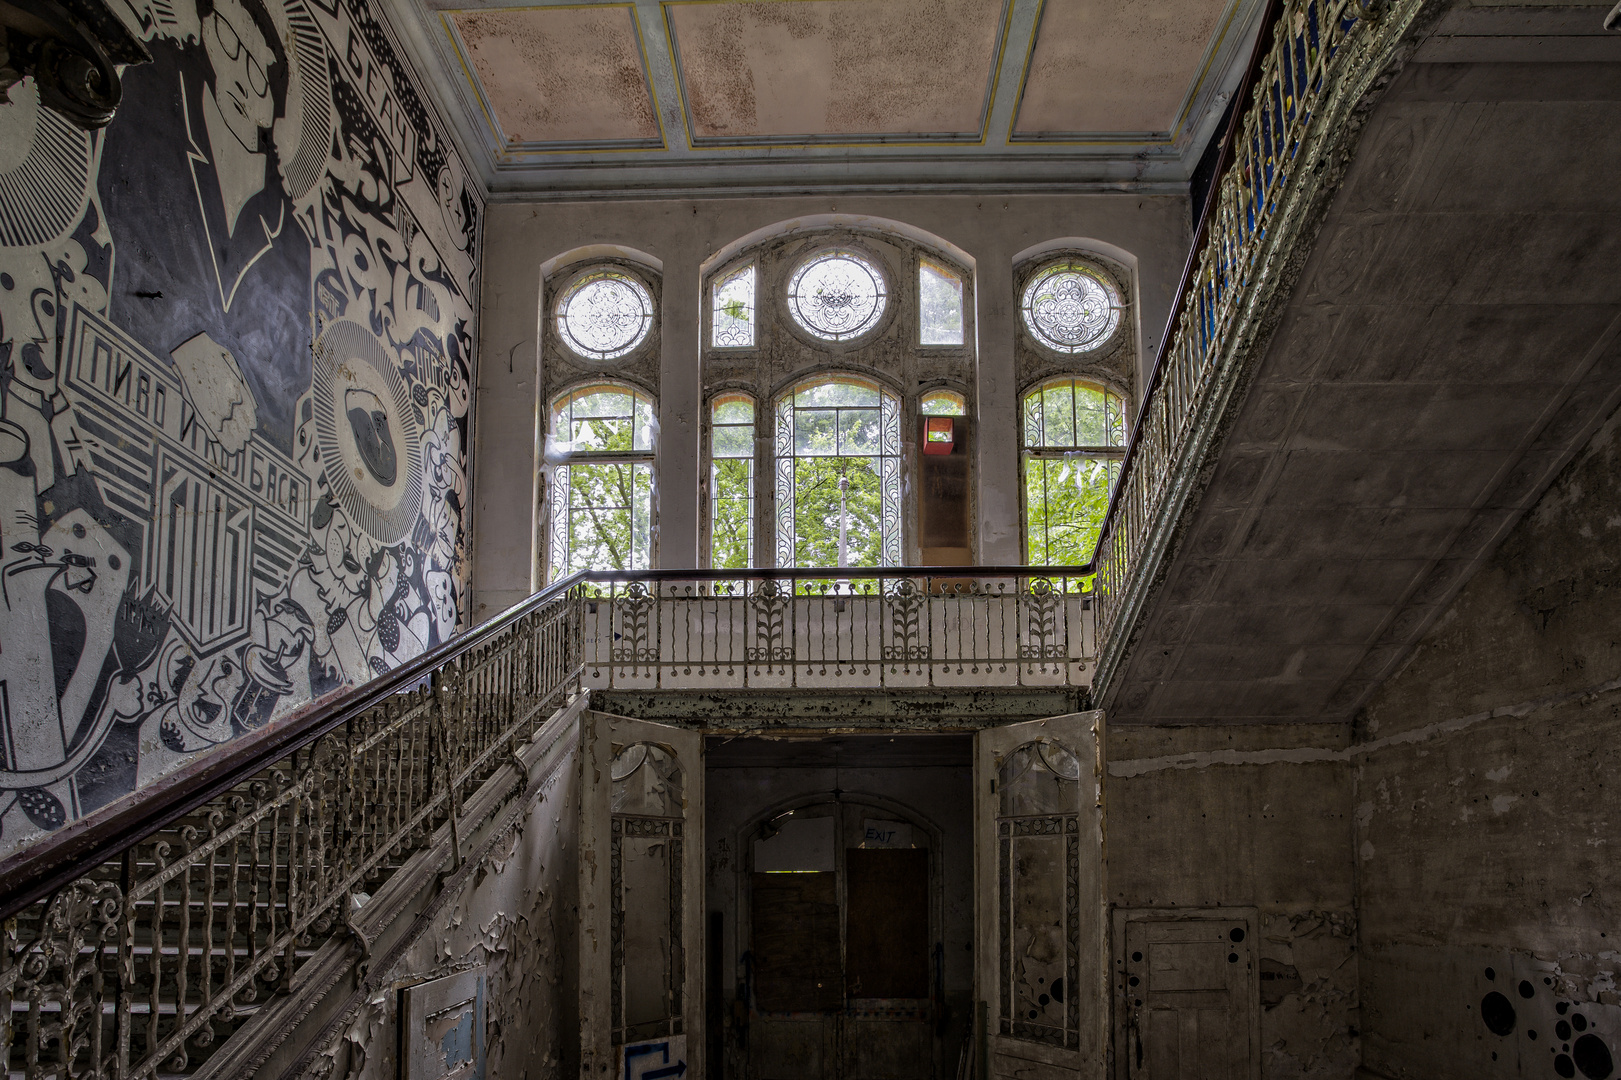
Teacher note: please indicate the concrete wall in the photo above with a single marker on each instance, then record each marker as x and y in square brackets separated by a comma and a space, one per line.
[1486, 861]
[236, 337]
[677, 238]
[1250, 816]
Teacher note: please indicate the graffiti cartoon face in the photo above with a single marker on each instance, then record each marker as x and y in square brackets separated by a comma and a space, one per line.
[346, 552]
[441, 602]
[206, 690]
[241, 58]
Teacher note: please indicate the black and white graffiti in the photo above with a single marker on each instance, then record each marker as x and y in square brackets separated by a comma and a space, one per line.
[236, 333]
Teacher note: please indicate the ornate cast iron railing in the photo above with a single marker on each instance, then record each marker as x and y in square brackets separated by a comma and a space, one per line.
[1283, 155]
[896, 627]
[176, 917]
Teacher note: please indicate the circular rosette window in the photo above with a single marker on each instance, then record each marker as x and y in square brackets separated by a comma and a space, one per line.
[1070, 308]
[370, 436]
[604, 315]
[837, 295]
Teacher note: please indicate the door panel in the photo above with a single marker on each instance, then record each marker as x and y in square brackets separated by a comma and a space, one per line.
[843, 920]
[795, 923]
[1189, 995]
[641, 889]
[1042, 959]
[886, 923]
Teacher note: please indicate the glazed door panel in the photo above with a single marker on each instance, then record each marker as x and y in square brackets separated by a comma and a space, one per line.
[641, 895]
[1041, 928]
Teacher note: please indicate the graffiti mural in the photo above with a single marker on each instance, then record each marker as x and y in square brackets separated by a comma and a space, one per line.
[236, 335]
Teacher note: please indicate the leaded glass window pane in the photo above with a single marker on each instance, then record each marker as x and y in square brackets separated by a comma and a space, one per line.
[603, 419]
[943, 403]
[838, 475]
[732, 322]
[939, 294]
[1074, 438]
[837, 295]
[601, 490]
[1071, 308]
[605, 314]
[731, 483]
[609, 516]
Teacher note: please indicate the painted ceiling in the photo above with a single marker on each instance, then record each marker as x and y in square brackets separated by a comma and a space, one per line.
[696, 96]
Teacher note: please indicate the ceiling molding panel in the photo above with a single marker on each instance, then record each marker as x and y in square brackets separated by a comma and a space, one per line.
[833, 71]
[1103, 71]
[558, 78]
[688, 98]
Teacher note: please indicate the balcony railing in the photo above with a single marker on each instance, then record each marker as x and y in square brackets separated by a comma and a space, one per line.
[138, 940]
[897, 627]
[1281, 160]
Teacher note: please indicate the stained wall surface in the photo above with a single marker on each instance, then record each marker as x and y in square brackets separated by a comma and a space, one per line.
[1250, 816]
[1486, 808]
[236, 329]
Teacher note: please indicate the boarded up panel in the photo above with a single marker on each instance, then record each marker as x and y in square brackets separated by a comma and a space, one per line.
[887, 922]
[796, 942]
[943, 495]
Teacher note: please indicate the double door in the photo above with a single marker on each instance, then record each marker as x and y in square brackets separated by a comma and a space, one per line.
[858, 1000]
[843, 909]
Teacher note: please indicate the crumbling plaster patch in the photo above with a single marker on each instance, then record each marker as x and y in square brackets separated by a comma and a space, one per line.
[515, 917]
[1274, 835]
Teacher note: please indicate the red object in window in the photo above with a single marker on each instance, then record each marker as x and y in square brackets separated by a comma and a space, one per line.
[938, 433]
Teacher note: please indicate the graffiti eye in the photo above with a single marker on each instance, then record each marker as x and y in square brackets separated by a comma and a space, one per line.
[226, 668]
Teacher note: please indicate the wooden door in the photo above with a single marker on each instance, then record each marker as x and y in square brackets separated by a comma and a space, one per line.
[641, 898]
[1188, 995]
[1042, 939]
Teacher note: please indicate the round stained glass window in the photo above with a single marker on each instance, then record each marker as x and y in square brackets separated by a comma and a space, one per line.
[837, 295]
[605, 314]
[1071, 308]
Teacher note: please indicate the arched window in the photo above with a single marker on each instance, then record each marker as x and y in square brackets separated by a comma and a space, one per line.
[731, 482]
[837, 295]
[942, 403]
[601, 444]
[838, 482]
[1070, 307]
[1074, 438]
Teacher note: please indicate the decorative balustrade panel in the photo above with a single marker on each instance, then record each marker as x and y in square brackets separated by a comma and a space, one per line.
[775, 629]
[145, 965]
[1322, 57]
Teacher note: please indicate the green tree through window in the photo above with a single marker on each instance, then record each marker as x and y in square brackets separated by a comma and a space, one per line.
[1074, 439]
[838, 475]
[731, 482]
[601, 491]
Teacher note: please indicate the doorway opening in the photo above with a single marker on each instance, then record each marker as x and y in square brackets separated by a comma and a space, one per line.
[847, 914]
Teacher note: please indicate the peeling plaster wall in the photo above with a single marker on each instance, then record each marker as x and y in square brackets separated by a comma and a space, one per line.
[1488, 883]
[517, 917]
[1250, 816]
